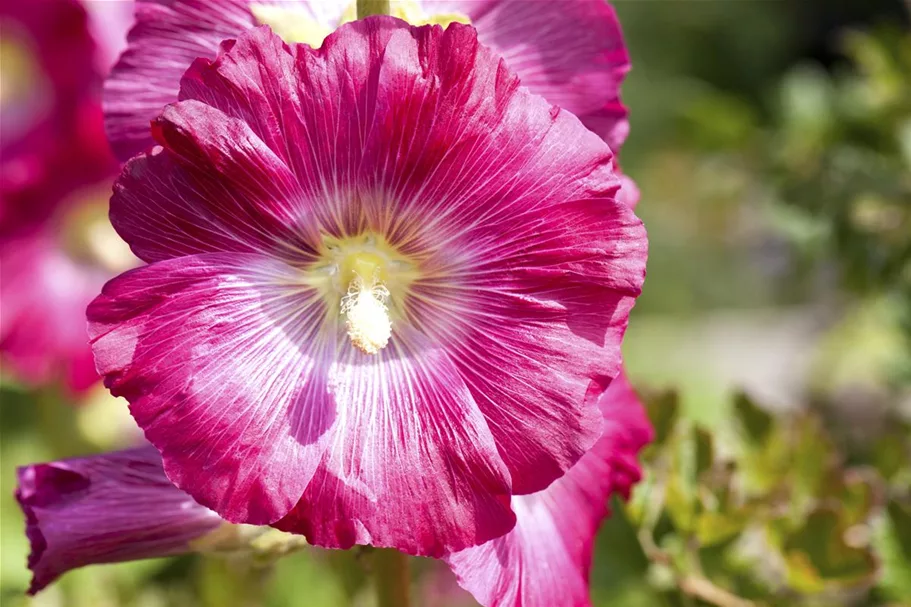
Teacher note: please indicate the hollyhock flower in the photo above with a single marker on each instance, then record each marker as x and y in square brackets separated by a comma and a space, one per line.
[571, 52]
[545, 560]
[105, 509]
[51, 133]
[386, 286]
[56, 246]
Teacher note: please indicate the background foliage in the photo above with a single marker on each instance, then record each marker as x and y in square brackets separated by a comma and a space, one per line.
[772, 144]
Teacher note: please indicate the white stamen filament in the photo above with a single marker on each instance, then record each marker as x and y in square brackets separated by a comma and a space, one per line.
[367, 317]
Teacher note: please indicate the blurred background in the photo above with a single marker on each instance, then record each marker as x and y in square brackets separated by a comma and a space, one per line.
[772, 144]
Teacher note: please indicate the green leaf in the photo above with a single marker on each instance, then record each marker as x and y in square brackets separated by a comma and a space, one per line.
[663, 411]
[892, 452]
[642, 496]
[900, 517]
[679, 503]
[755, 423]
[716, 527]
[705, 450]
[814, 463]
[618, 576]
[765, 468]
[892, 539]
[818, 557]
[860, 495]
[806, 101]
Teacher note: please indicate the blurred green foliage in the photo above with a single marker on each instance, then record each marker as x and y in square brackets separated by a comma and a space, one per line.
[841, 152]
[768, 511]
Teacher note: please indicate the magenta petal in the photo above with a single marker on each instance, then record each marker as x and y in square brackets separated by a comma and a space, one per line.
[220, 189]
[537, 395]
[413, 464]
[570, 52]
[105, 509]
[167, 37]
[629, 192]
[224, 364]
[610, 123]
[545, 560]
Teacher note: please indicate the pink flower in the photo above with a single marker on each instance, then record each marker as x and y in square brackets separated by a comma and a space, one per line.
[545, 560]
[571, 52]
[120, 506]
[51, 132]
[53, 148]
[53, 165]
[105, 509]
[386, 287]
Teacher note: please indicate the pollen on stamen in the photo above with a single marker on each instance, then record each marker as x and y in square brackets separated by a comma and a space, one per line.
[366, 315]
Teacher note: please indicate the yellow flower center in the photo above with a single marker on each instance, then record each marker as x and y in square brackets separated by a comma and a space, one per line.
[294, 23]
[365, 279]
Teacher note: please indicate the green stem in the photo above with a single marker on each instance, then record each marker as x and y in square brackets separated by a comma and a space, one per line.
[393, 582]
[365, 8]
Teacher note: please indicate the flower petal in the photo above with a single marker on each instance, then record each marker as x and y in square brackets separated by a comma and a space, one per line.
[412, 464]
[223, 362]
[545, 560]
[570, 52]
[167, 37]
[537, 393]
[219, 189]
[530, 247]
[610, 122]
[105, 509]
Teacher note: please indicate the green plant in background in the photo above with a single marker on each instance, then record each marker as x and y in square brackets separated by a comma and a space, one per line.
[768, 511]
[841, 153]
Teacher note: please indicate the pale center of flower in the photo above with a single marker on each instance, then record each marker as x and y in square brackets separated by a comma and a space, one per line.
[365, 279]
[294, 23]
[365, 304]
[412, 12]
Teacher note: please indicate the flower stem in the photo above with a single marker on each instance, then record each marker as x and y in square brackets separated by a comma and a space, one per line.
[393, 583]
[365, 8]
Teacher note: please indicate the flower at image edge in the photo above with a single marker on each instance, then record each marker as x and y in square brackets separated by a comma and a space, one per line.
[105, 509]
